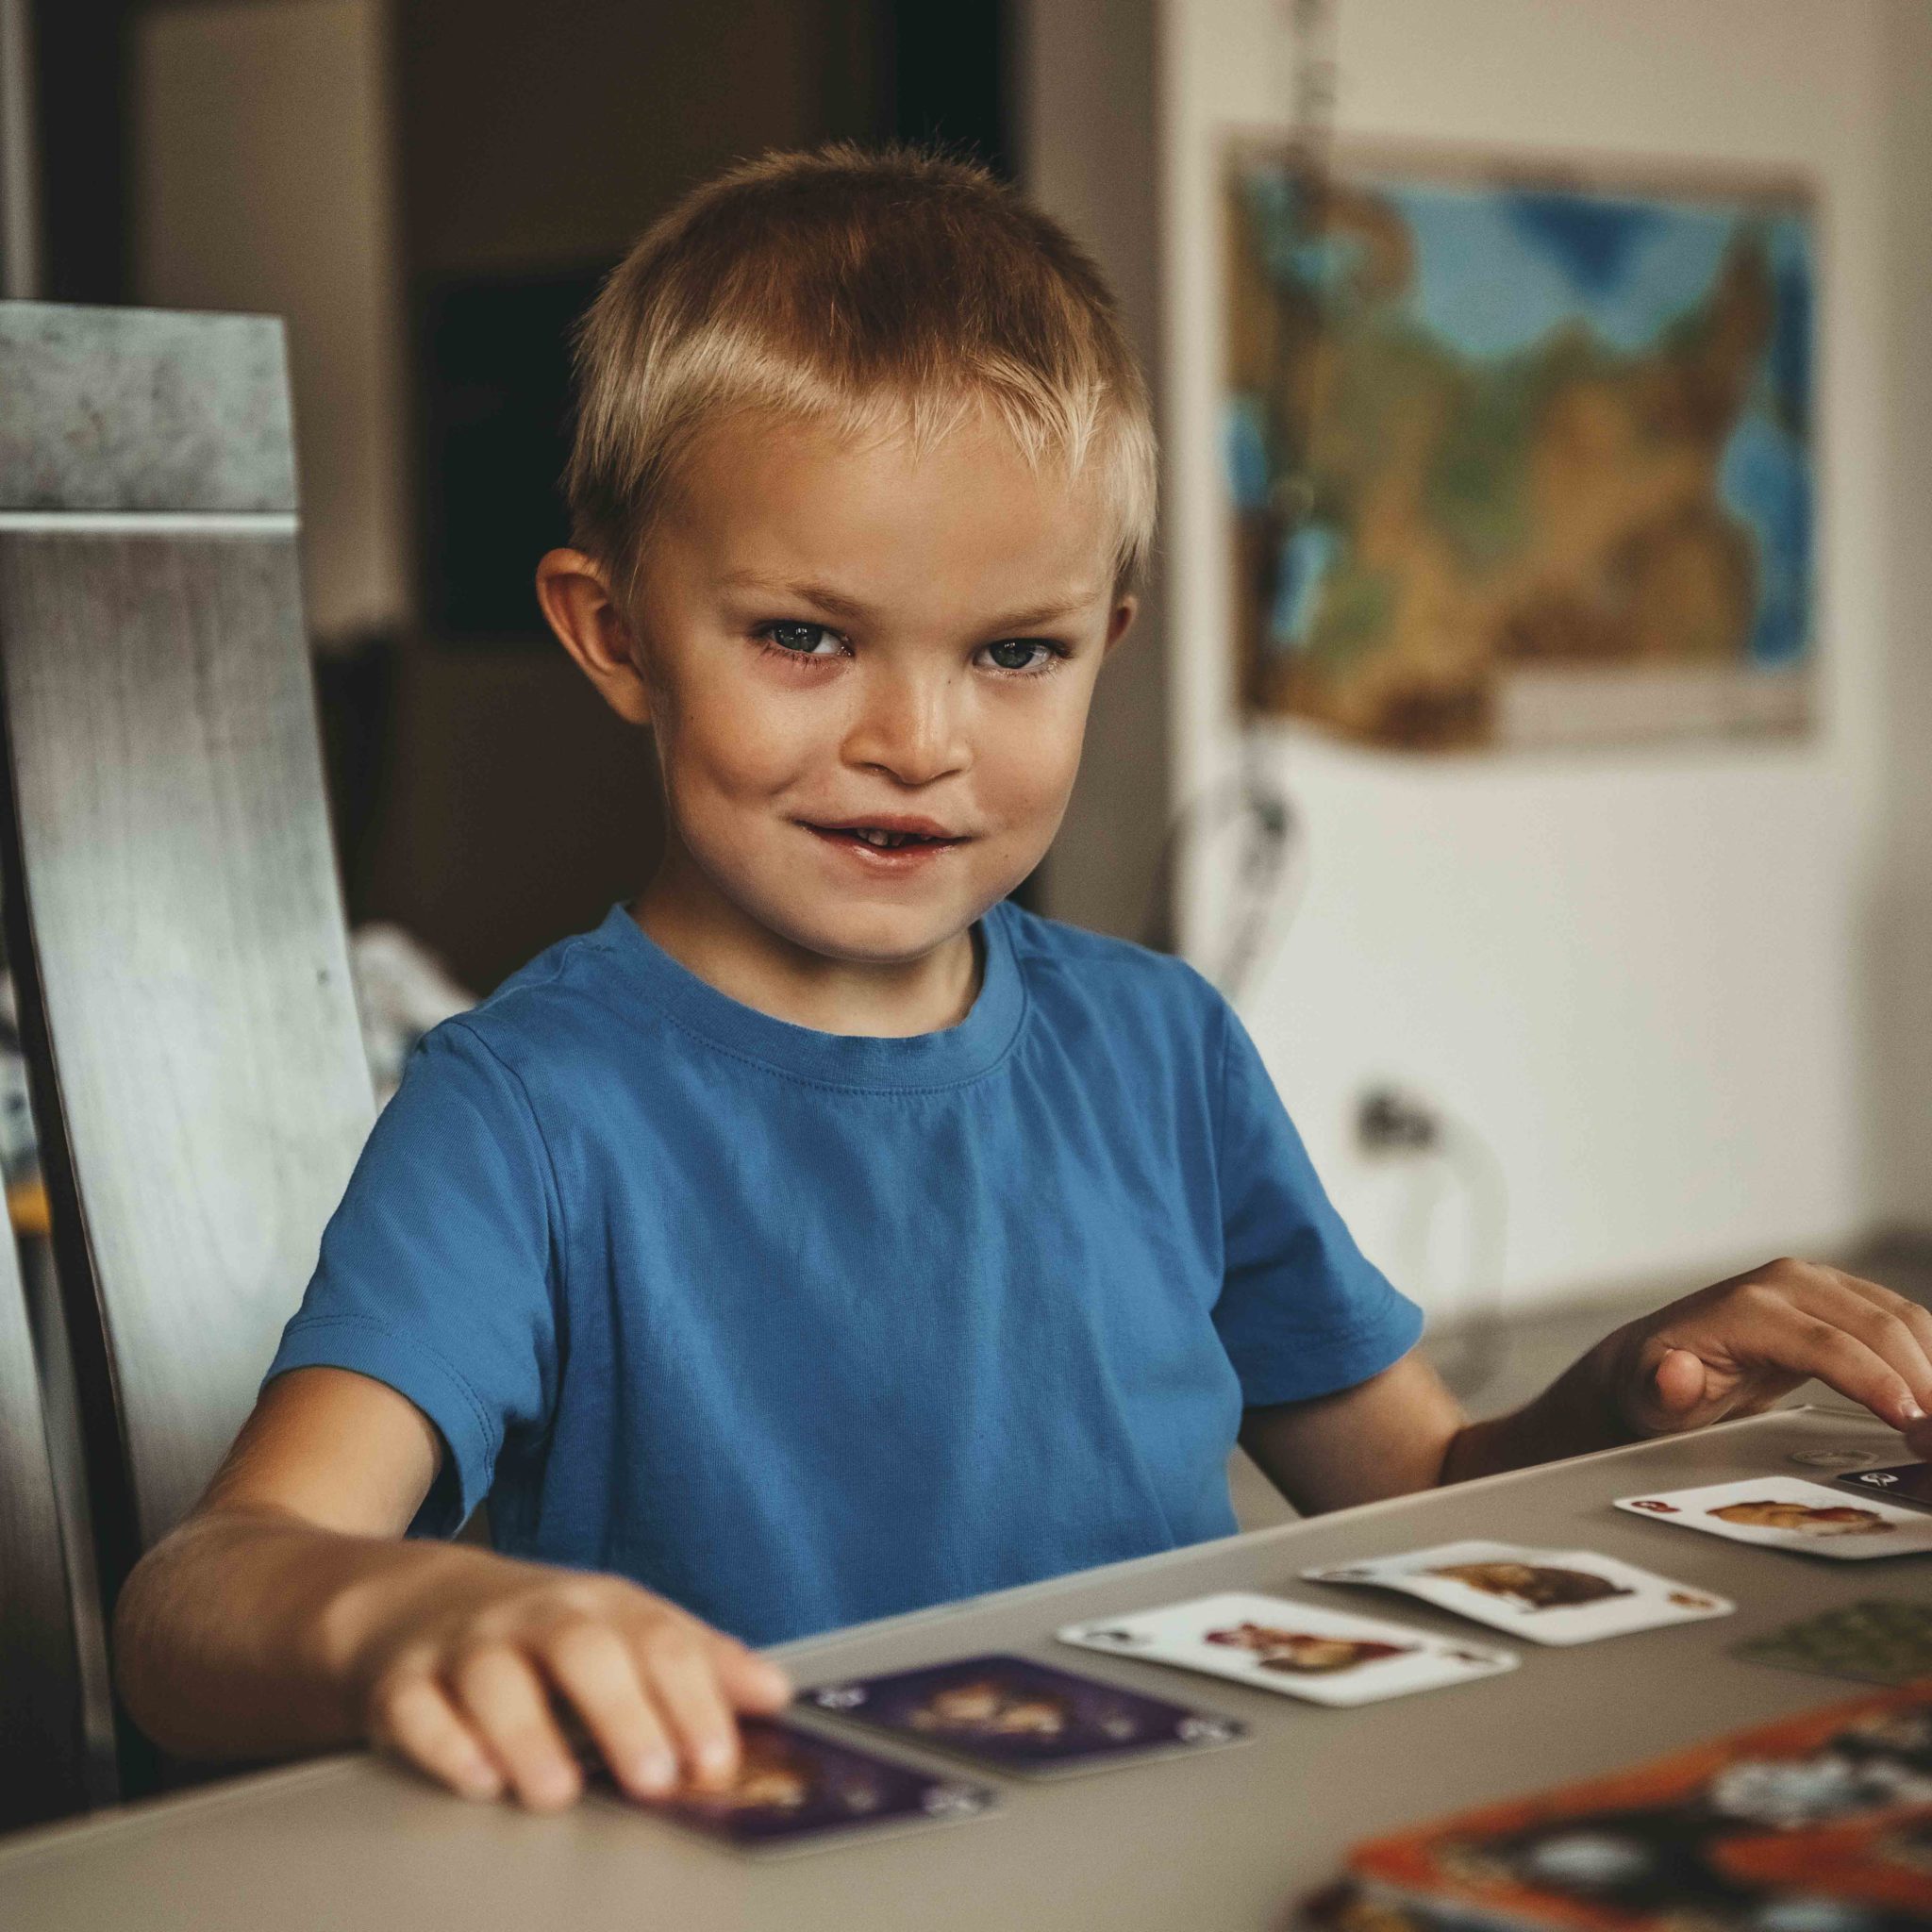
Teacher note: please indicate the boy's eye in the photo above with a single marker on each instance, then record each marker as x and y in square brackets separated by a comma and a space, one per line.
[1023, 645]
[797, 639]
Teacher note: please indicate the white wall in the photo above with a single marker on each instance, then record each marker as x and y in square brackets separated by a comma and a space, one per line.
[1647, 978]
[262, 182]
[1902, 922]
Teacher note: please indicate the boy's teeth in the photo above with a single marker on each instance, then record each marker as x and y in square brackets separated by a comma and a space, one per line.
[884, 841]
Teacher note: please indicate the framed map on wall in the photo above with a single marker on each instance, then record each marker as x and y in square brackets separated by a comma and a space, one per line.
[1520, 454]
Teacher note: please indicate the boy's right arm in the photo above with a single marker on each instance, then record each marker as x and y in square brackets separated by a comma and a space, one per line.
[287, 1613]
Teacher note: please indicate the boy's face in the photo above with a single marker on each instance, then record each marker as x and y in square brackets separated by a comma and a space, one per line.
[828, 635]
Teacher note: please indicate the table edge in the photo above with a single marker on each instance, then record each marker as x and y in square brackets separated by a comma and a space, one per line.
[21, 1848]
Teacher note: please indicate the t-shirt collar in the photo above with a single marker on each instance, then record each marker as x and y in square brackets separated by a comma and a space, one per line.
[952, 1054]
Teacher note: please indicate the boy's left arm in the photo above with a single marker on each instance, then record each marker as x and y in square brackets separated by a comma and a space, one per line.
[1729, 1349]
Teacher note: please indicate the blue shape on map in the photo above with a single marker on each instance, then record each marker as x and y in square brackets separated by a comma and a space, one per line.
[1488, 285]
[1293, 252]
[1304, 562]
[1595, 241]
[1789, 357]
[1244, 450]
[1764, 481]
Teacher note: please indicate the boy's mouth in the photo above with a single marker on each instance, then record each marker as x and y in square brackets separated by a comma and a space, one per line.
[903, 839]
[887, 837]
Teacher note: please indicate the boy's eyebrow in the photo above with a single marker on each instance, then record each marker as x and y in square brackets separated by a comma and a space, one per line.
[853, 610]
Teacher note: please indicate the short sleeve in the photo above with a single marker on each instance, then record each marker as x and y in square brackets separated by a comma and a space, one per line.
[1302, 1312]
[434, 1274]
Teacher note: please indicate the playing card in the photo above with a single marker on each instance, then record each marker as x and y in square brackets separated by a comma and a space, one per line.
[796, 1790]
[1024, 1717]
[1907, 1484]
[1326, 1657]
[1879, 1640]
[1802, 1824]
[1550, 1596]
[1784, 1512]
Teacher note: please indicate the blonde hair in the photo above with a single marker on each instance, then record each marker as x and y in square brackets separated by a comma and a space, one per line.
[880, 291]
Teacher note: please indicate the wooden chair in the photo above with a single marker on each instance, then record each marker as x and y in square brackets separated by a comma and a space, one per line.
[43, 1623]
[173, 911]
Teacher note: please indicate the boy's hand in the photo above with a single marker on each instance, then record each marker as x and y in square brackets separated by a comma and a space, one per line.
[467, 1687]
[1736, 1347]
[288, 1613]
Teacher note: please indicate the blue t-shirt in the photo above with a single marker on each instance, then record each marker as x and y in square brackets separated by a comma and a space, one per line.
[802, 1328]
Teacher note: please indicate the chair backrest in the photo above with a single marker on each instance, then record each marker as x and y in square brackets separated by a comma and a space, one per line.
[175, 916]
[42, 1727]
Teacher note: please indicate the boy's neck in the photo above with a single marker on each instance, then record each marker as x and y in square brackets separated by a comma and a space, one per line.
[725, 947]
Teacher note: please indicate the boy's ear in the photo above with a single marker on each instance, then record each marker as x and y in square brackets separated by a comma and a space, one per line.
[574, 594]
[1120, 624]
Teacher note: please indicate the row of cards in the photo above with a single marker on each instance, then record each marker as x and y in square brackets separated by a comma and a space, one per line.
[797, 1787]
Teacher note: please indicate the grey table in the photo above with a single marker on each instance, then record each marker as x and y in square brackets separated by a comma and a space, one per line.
[1230, 1839]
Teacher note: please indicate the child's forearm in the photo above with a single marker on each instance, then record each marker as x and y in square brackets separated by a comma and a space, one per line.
[245, 1633]
[1576, 1413]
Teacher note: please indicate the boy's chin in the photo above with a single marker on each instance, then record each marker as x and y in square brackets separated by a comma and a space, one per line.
[886, 922]
[874, 935]
[867, 931]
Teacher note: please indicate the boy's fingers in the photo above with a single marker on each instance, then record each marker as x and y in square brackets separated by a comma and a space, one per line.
[750, 1681]
[502, 1696]
[1883, 1330]
[1812, 1346]
[412, 1718]
[594, 1668]
[1916, 1322]
[683, 1678]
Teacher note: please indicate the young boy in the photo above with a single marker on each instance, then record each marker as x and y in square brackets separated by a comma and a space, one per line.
[825, 1236]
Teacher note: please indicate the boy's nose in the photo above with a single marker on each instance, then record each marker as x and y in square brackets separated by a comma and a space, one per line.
[911, 728]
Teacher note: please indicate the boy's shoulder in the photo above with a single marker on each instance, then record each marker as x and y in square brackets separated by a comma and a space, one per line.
[1101, 967]
[563, 997]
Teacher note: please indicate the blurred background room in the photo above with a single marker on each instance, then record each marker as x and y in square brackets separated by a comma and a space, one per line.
[1529, 726]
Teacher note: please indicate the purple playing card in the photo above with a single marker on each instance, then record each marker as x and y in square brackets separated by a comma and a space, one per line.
[795, 1790]
[1023, 1717]
[1905, 1483]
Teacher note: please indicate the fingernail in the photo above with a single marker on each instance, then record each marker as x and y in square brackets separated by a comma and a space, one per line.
[1910, 1410]
[656, 1772]
[479, 1781]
